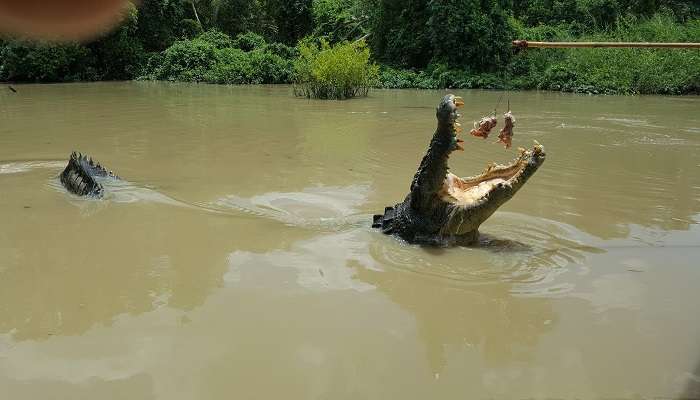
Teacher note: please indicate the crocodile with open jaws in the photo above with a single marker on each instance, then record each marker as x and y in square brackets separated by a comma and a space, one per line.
[440, 209]
[443, 209]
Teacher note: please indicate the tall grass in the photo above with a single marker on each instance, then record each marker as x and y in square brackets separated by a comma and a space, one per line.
[337, 72]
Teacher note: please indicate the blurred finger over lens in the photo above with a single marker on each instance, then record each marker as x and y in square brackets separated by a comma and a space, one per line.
[60, 19]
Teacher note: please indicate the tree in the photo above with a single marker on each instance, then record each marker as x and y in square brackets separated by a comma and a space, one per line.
[399, 34]
[292, 19]
[338, 20]
[159, 23]
[469, 34]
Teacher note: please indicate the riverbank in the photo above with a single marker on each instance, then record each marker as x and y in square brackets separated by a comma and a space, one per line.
[215, 57]
[595, 71]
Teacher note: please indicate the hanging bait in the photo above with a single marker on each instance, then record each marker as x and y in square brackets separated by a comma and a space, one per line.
[506, 134]
[484, 126]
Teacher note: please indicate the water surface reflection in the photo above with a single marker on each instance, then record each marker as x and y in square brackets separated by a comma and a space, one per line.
[237, 260]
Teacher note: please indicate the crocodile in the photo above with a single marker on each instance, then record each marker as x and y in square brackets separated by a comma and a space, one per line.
[82, 175]
[443, 209]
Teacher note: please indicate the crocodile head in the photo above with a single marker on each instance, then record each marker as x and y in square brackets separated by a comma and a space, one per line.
[470, 201]
[443, 208]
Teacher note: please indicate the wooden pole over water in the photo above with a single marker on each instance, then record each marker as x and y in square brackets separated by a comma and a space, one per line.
[524, 44]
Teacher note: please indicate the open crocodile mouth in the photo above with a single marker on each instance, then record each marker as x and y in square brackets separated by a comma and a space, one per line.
[503, 180]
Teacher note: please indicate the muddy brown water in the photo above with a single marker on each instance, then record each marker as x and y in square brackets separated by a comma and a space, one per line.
[235, 260]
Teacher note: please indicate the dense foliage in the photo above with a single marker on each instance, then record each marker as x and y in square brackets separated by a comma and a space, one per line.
[418, 43]
[333, 72]
[116, 56]
[214, 58]
[615, 70]
[607, 71]
[472, 34]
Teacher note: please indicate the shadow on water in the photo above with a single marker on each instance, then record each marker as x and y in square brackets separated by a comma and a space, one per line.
[487, 242]
[483, 319]
[459, 304]
[493, 299]
[468, 299]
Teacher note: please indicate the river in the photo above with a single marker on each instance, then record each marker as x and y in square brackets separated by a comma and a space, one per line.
[235, 259]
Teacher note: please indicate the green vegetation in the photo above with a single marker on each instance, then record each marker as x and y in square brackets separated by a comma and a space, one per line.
[213, 57]
[417, 44]
[606, 71]
[114, 57]
[333, 72]
[614, 70]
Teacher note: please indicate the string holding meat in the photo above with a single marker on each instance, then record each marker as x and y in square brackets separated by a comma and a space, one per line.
[506, 134]
[483, 127]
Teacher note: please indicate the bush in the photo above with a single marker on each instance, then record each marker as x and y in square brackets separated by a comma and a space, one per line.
[249, 41]
[282, 50]
[390, 78]
[235, 66]
[270, 68]
[333, 72]
[43, 62]
[186, 60]
[211, 57]
[217, 39]
[232, 67]
[440, 76]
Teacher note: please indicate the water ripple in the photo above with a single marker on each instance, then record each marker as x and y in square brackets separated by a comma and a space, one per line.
[322, 207]
[527, 252]
[15, 167]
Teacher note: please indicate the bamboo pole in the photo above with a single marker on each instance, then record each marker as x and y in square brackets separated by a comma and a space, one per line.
[524, 44]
